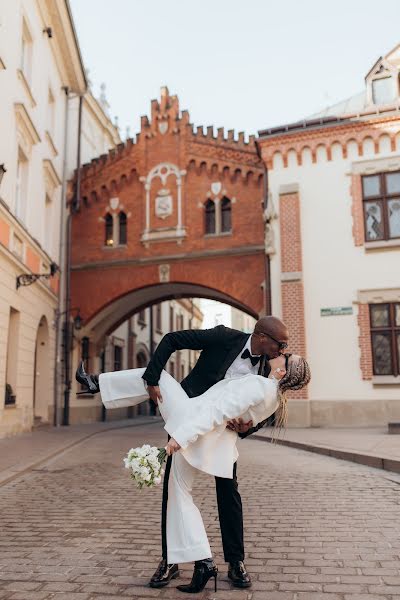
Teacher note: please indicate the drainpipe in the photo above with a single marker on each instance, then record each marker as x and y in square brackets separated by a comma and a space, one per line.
[61, 262]
[267, 262]
[67, 337]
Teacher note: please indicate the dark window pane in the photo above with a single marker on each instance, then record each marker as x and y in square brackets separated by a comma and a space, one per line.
[141, 360]
[158, 317]
[373, 221]
[117, 358]
[394, 217]
[122, 228]
[382, 353]
[393, 183]
[371, 186]
[380, 315]
[226, 215]
[109, 241]
[398, 352]
[397, 315]
[210, 217]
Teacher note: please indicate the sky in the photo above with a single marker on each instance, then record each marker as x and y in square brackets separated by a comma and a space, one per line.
[239, 64]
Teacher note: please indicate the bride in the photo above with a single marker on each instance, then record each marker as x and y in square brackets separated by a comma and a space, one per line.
[200, 440]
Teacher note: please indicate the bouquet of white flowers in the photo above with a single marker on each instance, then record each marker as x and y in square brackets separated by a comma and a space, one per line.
[146, 464]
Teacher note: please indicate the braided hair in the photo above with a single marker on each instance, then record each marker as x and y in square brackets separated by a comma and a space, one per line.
[297, 376]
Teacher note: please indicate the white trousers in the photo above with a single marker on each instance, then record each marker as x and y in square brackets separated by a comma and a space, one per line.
[186, 536]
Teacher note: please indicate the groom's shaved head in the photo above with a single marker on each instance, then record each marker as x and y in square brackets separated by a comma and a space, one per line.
[273, 326]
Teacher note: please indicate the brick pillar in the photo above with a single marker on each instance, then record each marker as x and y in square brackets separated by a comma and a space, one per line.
[292, 276]
[364, 341]
[357, 210]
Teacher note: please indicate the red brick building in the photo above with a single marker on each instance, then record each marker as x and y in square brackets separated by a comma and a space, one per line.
[178, 213]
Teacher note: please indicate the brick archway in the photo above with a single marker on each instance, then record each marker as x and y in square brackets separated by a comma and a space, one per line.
[112, 314]
[161, 184]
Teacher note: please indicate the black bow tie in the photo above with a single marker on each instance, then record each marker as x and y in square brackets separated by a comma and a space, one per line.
[254, 359]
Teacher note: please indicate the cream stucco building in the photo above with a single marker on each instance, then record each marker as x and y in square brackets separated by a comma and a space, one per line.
[41, 79]
[333, 232]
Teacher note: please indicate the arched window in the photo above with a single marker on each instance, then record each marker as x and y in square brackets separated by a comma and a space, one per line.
[210, 217]
[226, 215]
[122, 227]
[108, 219]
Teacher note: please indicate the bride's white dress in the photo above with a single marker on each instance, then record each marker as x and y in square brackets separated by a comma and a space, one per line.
[199, 425]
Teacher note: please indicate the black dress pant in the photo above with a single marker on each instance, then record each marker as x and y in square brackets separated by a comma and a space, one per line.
[229, 511]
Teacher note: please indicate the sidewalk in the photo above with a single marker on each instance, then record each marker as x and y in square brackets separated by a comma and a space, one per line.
[26, 451]
[373, 447]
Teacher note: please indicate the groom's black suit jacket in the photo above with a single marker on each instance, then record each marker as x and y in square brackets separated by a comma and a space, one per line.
[219, 345]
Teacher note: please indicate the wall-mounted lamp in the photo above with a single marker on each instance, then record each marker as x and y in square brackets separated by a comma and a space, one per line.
[29, 278]
[2, 171]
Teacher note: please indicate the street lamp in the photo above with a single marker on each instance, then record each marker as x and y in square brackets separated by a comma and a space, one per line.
[3, 170]
[68, 334]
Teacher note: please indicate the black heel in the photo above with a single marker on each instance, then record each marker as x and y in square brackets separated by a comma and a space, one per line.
[203, 571]
[91, 382]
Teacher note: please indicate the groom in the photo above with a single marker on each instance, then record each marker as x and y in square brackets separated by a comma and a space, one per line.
[226, 353]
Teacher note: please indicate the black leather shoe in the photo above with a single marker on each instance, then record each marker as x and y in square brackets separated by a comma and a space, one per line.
[90, 381]
[238, 575]
[164, 574]
[203, 571]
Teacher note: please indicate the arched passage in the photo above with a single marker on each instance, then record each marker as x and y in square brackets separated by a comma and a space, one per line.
[114, 313]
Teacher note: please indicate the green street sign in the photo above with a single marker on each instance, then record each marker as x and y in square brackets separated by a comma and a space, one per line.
[336, 311]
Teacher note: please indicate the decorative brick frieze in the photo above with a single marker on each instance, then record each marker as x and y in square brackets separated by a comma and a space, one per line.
[382, 131]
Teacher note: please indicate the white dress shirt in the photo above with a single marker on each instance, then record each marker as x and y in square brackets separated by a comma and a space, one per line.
[242, 366]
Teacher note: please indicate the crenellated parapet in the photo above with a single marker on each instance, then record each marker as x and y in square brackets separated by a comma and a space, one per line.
[168, 133]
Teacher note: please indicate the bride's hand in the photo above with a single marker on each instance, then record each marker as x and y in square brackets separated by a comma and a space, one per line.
[172, 447]
[278, 369]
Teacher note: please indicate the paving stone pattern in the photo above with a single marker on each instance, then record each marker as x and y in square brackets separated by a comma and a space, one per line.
[316, 528]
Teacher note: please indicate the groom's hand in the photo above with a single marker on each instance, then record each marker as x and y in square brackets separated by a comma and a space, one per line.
[239, 425]
[154, 393]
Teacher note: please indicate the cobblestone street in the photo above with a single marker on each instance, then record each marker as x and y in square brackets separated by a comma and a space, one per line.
[316, 528]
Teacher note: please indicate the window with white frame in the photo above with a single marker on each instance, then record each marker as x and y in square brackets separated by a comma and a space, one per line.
[21, 187]
[383, 90]
[51, 114]
[48, 224]
[218, 216]
[26, 52]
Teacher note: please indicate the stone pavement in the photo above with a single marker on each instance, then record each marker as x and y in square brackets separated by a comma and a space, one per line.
[76, 528]
[368, 446]
[21, 453]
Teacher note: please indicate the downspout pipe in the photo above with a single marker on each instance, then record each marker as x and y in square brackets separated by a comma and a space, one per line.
[267, 291]
[67, 326]
[57, 361]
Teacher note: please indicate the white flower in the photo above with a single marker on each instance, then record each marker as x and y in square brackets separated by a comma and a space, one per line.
[157, 480]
